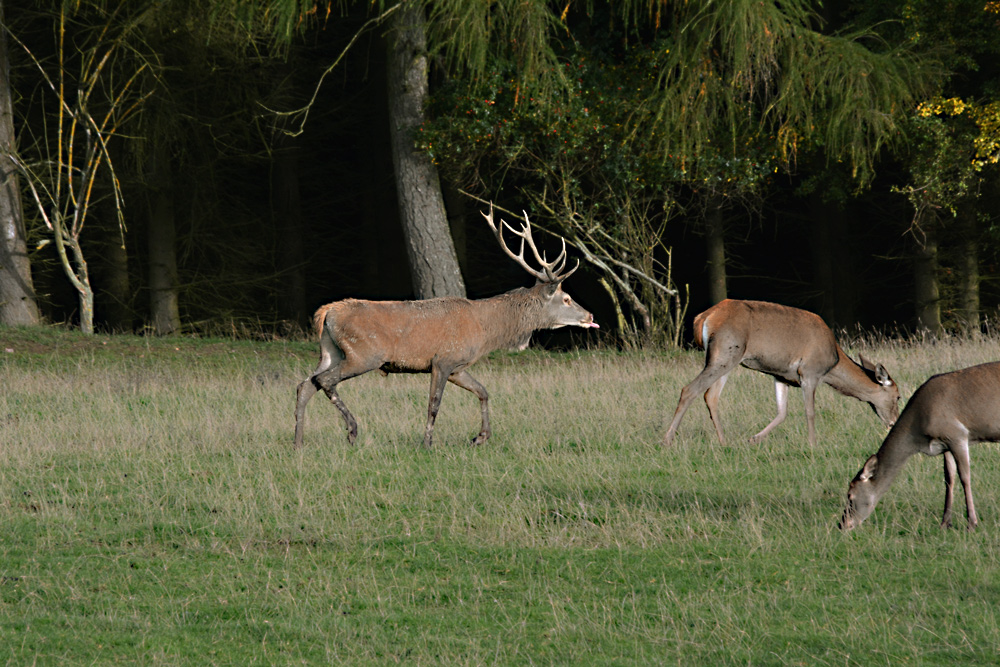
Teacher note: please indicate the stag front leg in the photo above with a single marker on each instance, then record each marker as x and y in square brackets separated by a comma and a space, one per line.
[439, 377]
[781, 398]
[465, 381]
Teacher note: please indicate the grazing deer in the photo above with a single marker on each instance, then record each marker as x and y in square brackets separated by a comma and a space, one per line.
[944, 415]
[795, 347]
[441, 336]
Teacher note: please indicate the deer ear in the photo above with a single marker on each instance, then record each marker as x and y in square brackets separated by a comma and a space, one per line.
[866, 363]
[868, 469]
[882, 376]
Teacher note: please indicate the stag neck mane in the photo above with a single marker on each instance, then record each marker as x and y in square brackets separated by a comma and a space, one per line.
[509, 319]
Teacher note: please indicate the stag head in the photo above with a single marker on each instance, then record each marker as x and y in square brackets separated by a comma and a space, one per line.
[560, 310]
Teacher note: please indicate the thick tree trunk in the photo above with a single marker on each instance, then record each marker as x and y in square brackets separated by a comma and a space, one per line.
[458, 219]
[431, 252]
[162, 246]
[715, 242]
[925, 281]
[17, 293]
[968, 271]
[115, 295]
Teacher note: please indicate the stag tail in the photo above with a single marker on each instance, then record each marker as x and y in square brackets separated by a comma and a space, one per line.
[320, 317]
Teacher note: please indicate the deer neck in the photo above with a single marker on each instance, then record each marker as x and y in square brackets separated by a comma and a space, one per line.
[850, 379]
[899, 446]
[510, 318]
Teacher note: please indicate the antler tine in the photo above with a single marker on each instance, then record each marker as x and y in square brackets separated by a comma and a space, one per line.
[554, 269]
[552, 272]
[519, 257]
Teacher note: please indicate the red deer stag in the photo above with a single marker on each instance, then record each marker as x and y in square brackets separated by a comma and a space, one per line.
[441, 336]
[946, 413]
[795, 347]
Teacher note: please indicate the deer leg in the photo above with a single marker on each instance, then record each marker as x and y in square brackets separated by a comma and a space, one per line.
[809, 394]
[465, 381]
[701, 386]
[712, 402]
[328, 382]
[960, 450]
[950, 471]
[439, 377]
[302, 395]
[781, 398]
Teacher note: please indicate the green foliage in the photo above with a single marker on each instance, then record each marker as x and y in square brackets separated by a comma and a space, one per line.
[154, 512]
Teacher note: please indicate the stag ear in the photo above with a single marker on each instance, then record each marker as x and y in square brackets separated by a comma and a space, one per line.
[869, 469]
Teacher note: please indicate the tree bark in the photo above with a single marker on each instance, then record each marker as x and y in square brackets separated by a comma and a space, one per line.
[433, 262]
[115, 294]
[715, 242]
[17, 292]
[162, 245]
[968, 271]
[925, 281]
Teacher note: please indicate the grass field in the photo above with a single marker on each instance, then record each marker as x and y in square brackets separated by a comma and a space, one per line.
[153, 511]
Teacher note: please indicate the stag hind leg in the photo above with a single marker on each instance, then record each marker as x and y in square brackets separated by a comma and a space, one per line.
[333, 369]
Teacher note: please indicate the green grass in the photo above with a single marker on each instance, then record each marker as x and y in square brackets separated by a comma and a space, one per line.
[153, 511]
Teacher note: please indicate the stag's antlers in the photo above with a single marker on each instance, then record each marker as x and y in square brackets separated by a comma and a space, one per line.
[552, 272]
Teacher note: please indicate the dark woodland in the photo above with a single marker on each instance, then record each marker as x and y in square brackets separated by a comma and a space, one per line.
[206, 209]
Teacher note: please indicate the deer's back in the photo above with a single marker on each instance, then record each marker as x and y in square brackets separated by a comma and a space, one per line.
[966, 399]
[775, 339]
[407, 335]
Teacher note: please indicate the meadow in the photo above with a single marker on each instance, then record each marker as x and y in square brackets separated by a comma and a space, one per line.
[153, 511]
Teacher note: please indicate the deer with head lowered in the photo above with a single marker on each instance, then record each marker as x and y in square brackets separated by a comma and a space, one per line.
[945, 414]
[793, 346]
[441, 336]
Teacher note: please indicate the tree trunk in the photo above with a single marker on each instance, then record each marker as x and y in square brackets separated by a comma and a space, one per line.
[925, 281]
[17, 292]
[715, 241]
[968, 271]
[116, 289]
[162, 245]
[458, 219]
[431, 252]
